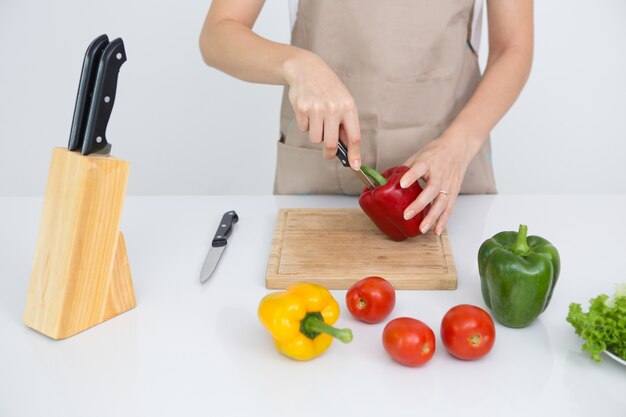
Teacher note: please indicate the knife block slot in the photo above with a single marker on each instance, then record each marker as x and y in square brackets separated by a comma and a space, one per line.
[80, 276]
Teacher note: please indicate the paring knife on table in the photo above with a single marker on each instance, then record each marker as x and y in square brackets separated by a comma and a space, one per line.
[218, 244]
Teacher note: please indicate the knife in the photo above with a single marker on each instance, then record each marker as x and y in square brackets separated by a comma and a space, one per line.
[113, 56]
[85, 91]
[218, 245]
[342, 154]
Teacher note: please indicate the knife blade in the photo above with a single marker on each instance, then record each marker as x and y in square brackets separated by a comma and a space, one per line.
[342, 154]
[113, 56]
[219, 243]
[85, 91]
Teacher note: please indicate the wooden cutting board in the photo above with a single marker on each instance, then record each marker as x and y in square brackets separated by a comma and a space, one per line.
[337, 247]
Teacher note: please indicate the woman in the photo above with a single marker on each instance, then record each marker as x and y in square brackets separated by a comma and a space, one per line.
[397, 80]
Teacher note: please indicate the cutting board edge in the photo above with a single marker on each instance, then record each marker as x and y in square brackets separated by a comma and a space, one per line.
[447, 282]
[447, 253]
[277, 244]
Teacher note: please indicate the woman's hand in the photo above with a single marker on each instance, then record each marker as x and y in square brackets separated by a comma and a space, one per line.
[323, 106]
[442, 164]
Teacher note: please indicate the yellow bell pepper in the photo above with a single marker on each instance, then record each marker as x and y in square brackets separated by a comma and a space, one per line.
[300, 318]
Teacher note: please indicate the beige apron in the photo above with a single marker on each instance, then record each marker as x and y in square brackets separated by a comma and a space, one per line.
[410, 70]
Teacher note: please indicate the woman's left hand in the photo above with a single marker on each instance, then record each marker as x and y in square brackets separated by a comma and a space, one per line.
[441, 164]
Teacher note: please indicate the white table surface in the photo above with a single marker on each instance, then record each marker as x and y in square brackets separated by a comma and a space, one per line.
[193, 350]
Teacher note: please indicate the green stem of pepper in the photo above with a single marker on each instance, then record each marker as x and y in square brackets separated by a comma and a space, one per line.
[313, 324]
[375, 175]
[520, 246]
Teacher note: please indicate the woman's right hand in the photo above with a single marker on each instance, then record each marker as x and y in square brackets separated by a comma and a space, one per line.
[323, 106]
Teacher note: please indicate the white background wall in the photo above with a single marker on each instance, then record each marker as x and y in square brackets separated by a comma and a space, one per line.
[188, 129]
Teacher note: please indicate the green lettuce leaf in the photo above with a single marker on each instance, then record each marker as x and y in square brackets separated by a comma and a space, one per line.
[603, 327]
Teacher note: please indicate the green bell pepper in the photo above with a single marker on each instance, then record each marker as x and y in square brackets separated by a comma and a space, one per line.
[517, 276]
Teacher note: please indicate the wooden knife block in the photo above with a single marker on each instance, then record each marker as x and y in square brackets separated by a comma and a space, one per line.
[81, 276]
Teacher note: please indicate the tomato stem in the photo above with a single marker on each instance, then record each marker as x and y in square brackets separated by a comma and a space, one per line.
[474, 339]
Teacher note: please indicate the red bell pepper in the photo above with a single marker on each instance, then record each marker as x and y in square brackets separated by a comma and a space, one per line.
[385, 204]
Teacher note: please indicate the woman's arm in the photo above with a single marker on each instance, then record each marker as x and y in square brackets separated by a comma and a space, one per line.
[228, 44]
[443, 162]
[508, 67]
[320, 100]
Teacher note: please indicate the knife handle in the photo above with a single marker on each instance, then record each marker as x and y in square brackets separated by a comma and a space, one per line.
[113, 57]
[85, 91]
[223, 230]
[342, 153]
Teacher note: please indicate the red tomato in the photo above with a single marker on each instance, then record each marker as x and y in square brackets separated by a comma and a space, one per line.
[409, 341]
[467, 332]
[371, 299]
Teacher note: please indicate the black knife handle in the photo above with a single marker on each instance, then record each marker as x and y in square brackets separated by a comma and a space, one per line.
[113, 57]
[223, 230]
[85, 91]
[342, 153]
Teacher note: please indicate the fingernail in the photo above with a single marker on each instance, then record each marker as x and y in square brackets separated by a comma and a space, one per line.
[438, 231]
[408, 215]
[424, 228]
[356, 164]
[403, 183]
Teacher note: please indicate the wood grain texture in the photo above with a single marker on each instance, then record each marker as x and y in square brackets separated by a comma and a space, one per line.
[121, 295]
[337, 247]
[80, 274]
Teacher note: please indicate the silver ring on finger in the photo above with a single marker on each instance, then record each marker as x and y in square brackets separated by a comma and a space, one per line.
[443, 192]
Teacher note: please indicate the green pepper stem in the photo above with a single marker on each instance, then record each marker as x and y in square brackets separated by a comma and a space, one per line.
[520, 246]
[375, 175]
[315, 325]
